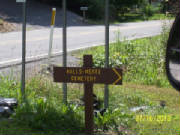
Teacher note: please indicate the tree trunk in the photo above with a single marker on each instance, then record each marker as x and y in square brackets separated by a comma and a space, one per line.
[150, 1]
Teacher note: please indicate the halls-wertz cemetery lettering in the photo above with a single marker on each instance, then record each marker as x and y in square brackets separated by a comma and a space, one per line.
[88, 75]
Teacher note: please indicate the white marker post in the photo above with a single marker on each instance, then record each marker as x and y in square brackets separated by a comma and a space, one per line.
[51, 34]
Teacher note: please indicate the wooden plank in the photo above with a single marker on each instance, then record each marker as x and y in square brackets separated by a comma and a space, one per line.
[88, 75]
[88, 97]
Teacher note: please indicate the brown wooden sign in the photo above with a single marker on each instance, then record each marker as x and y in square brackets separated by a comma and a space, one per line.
[88, 75]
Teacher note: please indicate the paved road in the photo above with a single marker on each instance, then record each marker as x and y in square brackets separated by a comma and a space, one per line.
[77, 37]
[38, 14]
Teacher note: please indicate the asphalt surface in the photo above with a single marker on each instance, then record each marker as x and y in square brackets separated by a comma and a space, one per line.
[79, 34]
[78, 37]
[38, 14]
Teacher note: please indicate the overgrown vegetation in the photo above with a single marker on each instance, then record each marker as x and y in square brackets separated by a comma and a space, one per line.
[142, 60]
[44, 113]
[43, 109]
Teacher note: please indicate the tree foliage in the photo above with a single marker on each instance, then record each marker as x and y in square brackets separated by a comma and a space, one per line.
[123, 6]
[118, 8]
[174, 6]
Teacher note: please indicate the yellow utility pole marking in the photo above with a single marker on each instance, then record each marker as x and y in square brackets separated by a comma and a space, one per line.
[119, 76]
[53, 16]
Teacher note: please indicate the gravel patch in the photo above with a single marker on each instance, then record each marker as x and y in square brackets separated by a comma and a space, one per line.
[6, 27]
[38, 67]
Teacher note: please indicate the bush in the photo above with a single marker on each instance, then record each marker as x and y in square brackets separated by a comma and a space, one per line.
[148, 10]
[174, 6]
[96, 9]
[142, 60]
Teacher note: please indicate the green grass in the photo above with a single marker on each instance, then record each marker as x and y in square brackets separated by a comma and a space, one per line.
[134, 17]
[160, 17]
[145, 83]
[44, 112]
[1, 21]
[150, 96]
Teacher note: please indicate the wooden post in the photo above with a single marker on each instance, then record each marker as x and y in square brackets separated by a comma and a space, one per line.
[88, 97]
[80, 75]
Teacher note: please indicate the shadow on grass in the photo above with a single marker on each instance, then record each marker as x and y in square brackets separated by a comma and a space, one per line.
[131, 18]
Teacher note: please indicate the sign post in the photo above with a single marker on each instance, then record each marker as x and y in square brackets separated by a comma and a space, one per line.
[84, 9]
[88, 96]
[20, 1]
[88, 76]
[23, 78]
[64, 86]
[106, 89]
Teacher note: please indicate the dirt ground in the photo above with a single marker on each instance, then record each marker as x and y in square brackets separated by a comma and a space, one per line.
[6, 26]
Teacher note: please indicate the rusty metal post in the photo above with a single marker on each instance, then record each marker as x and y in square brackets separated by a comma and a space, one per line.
[88, 97]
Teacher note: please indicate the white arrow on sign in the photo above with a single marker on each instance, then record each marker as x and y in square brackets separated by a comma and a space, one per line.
[20, 0]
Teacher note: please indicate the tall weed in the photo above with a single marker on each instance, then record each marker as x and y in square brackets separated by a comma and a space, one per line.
[43, 109]
[142, 60]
